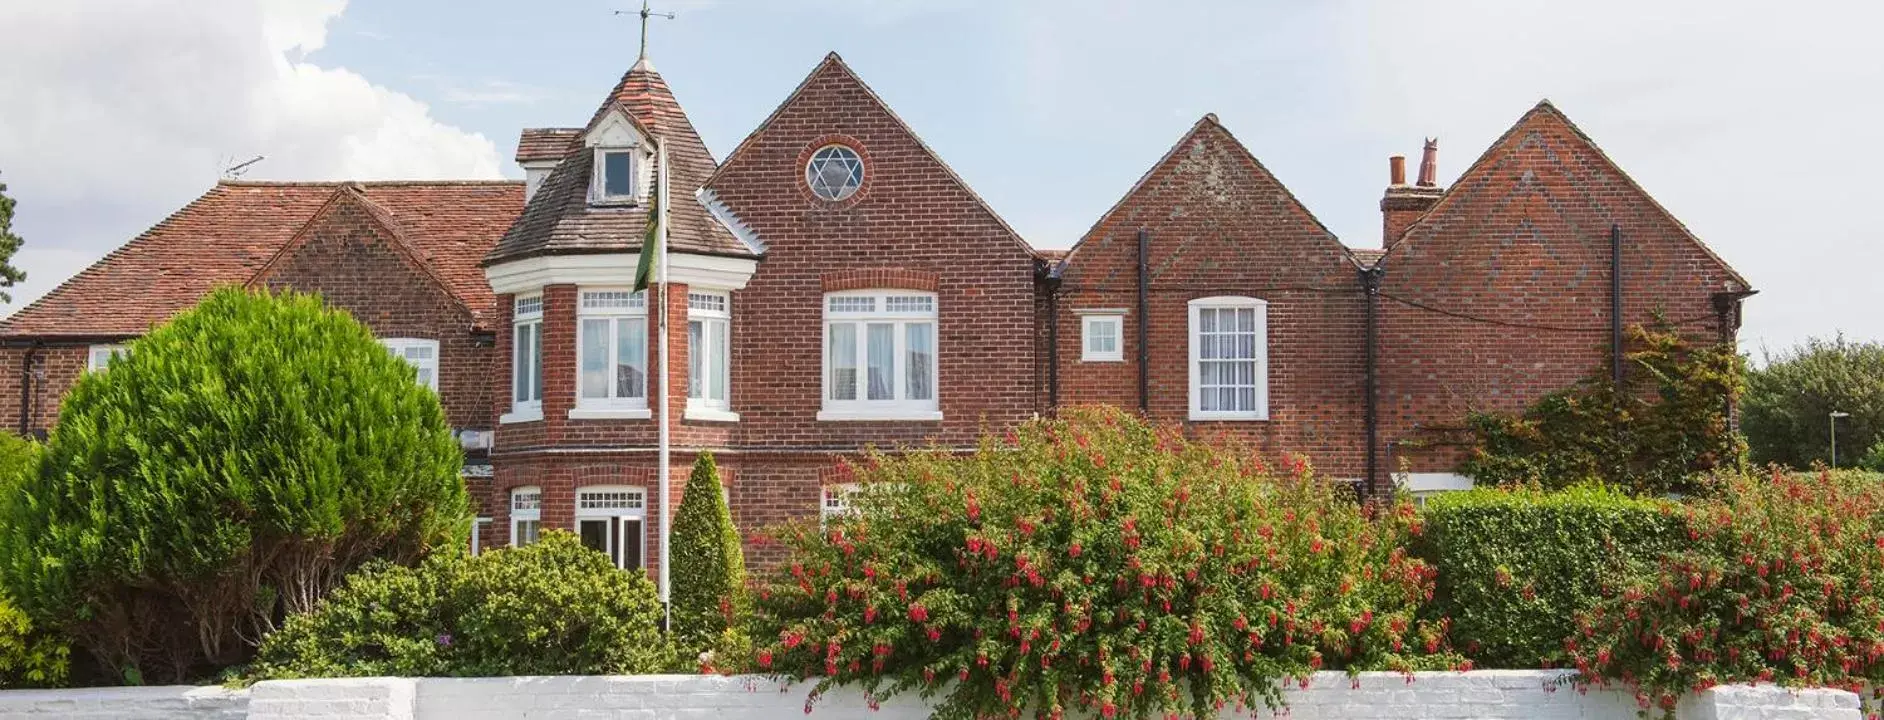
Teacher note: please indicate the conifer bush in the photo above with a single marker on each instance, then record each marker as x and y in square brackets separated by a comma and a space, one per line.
[553, 607]
[231, 469]
[709, 574]
[1095, 566]
[1778, 582]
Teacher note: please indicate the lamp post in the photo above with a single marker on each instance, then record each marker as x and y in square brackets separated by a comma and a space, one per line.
[1833, 421]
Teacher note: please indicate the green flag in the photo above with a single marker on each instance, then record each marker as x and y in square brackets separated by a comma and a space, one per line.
[651, 245]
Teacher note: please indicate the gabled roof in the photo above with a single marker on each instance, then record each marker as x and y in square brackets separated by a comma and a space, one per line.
[545, 144]
[230, 234]
[834, 65]
[1206, 129]
[1540, 119]
[559, 219]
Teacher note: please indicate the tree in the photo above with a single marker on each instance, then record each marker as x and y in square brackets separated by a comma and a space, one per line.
[9, 244]
[1666, 424]
[1791, 396]
[709, 566]
[232, 468]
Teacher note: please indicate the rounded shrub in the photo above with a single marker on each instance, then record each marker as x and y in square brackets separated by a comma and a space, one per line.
[232, 468]
[1778, 582]
[709, 566]
[551, 608]
[1516, 567]
[1093, 565]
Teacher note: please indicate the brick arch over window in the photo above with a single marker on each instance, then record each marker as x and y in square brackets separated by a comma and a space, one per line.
[874, 278]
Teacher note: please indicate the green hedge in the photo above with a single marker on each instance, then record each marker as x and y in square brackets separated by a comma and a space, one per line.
[1517, 566]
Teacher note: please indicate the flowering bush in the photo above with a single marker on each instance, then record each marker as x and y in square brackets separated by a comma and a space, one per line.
[1096, 565]
[1779, 584]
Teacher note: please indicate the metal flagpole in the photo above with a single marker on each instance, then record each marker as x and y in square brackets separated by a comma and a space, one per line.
[666, 451]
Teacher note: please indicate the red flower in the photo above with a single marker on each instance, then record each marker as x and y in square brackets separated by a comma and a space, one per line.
[765, 658]
[918, 613]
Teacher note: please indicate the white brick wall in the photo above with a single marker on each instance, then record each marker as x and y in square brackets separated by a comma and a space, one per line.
[147, 703]
[1483, 695]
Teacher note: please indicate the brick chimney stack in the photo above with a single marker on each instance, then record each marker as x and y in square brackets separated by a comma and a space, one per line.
[1403, 203]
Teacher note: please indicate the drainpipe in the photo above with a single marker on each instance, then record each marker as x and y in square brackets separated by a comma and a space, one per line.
[1144, 321]
[1615, 304]
[1370, 283]
[1053, 345]
[26, 388]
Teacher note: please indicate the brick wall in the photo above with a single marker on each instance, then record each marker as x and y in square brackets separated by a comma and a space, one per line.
[1220, 224]
[54, 369]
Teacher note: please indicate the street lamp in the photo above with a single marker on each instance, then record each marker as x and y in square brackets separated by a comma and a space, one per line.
[1835, 415]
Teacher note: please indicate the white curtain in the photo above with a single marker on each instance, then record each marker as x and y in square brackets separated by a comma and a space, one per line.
[882, 338]
[921, 344]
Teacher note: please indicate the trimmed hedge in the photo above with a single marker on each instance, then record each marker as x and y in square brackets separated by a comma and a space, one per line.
[709, 568]
[1516, 567]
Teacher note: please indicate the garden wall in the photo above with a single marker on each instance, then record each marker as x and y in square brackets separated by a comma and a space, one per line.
[1486, 695]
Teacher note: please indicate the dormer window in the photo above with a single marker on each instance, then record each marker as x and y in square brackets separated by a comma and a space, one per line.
[615, 178]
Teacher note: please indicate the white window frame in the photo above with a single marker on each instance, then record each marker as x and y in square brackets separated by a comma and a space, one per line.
[526, 362]
[1090, 318]
[835, 501]
[1232, 302]
[899, 407]
[598, 187]
[616, 520]
[713, 310]
[98, 357]
[477, 529]
[402, 348]
[526, 506]
[614, 406]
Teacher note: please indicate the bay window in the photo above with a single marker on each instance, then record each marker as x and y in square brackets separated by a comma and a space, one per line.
[709, 350]
[611, 520]
[526, 360]
[612, 354]
[880, 356]
[1229, 368]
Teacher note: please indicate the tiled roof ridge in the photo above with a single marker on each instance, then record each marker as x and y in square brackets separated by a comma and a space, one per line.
[496, 182]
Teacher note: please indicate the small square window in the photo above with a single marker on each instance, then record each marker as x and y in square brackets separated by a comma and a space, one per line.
[615, 176]
[100, 356]
[1102, 338]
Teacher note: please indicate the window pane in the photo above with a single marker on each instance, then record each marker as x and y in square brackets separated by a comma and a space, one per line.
[696, 358]
[595, 533]
[595, 358]
[631, 360]
[843, 359]
[631, 543]
[527, 531]
[1207, 320]
[618, 174]
[720, 374]
[920, 341]
[882, 340]
[536, 361]
[520, 363]
[1246, 319]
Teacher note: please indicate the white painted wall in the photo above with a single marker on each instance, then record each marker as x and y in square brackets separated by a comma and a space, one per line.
[1483, 695]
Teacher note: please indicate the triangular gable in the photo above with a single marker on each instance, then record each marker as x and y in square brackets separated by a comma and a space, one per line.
[1206, 130]
[388, 230]
[616, 126]
[1543, 121]
[834, 68]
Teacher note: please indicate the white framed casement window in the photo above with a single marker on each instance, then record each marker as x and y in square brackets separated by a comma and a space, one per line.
[615, 179]
[1101, 335]
[709, 356]
[613, 520]
[526, 360]
[834, 501]
[421, 353]
[526, 515]
[880, 356]
[1229, 358]
[477, 535]
[100, 356]
[611, 354]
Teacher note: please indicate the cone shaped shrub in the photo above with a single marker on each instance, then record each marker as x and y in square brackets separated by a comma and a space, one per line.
[709, 565]
[553, 607]
[1094, 566]
[233, 467]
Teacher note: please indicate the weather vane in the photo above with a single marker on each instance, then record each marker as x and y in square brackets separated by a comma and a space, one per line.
[646, 14]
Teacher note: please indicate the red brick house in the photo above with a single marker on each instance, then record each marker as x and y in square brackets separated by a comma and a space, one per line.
[835, 286]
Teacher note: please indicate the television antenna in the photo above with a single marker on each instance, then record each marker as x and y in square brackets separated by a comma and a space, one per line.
[236, 171]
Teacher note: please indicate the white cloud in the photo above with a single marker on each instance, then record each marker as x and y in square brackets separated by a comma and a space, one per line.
[116, 112]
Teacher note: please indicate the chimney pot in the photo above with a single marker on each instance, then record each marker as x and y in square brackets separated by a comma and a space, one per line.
[1396, 170]
[1429, 163]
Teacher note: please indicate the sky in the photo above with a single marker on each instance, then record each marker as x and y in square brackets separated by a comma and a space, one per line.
[1754, 123]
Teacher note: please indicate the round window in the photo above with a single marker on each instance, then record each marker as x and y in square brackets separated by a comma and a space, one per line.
[835, 172]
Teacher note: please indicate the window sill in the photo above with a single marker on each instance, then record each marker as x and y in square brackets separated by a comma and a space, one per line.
[520, 415]
[609, 414]
[879, 416]
[1198, 416]
[710, 415]
[1102, 359]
